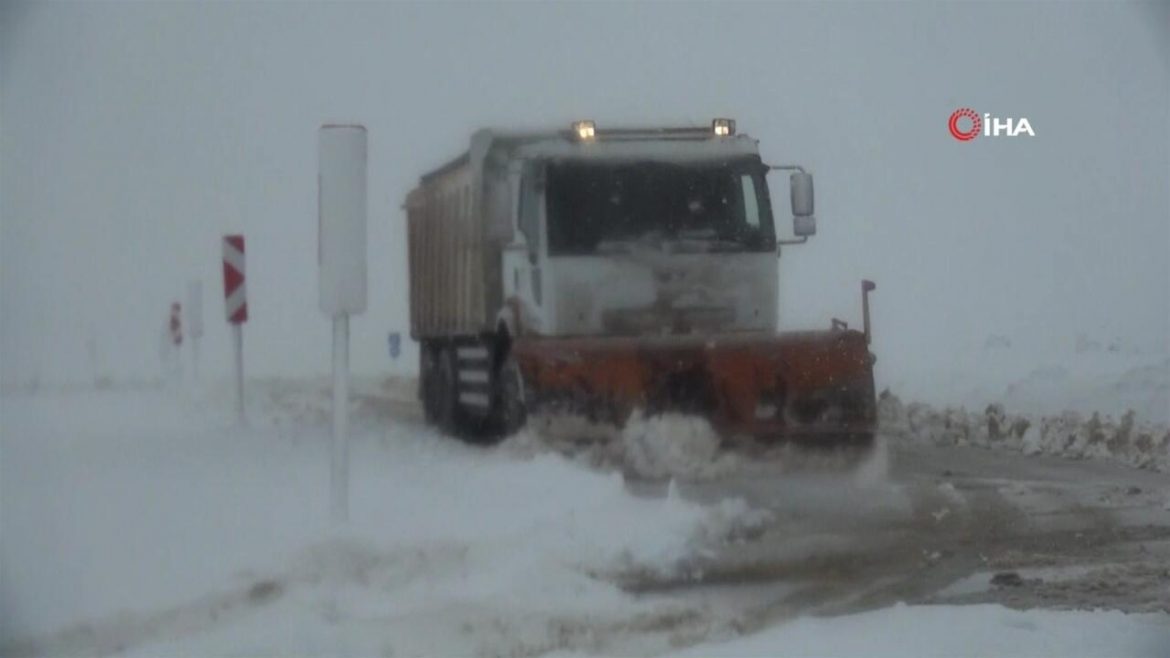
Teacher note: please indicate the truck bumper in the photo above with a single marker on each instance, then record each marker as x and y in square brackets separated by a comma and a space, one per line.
[815, 385]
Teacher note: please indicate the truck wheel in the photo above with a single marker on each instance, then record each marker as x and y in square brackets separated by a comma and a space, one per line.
[446, 391]
[427, 378]
[510, 409]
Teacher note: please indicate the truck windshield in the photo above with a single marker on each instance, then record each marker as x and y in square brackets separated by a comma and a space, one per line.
[616, 207]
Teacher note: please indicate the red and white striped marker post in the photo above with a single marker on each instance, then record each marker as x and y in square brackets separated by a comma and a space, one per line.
[236, 307]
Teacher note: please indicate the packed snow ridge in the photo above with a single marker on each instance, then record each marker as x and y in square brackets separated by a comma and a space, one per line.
[1069, 434]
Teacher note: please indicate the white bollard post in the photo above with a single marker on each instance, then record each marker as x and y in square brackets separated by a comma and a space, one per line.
[339, 473]
[341, 257]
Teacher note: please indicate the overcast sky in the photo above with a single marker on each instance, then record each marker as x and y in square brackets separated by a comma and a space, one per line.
[132, 136]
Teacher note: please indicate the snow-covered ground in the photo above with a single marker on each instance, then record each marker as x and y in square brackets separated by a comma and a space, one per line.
[144, 522]
[132, 519]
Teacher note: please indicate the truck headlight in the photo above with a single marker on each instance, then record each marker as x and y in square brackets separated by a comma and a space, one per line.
[723, 127]
[584, 130]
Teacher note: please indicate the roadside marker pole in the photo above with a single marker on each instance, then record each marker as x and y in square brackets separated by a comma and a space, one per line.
[238, 343]
[341, 260]
[194, 358]
[236, 308]
[175, 326]
[195, 322]
[339, 474]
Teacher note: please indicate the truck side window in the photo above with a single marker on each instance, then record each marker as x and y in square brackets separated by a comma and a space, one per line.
[751, 205]
[529, 210]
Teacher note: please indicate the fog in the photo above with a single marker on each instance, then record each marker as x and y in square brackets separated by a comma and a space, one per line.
[132, 136]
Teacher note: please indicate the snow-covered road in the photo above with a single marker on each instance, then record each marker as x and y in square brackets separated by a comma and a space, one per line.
[144, 523]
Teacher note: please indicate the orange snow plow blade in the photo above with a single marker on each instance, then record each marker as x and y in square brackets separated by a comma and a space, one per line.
[816, 385]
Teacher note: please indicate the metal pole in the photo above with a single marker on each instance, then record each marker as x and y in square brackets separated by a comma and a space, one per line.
[339, 474]
[91, 347]
[238, 339]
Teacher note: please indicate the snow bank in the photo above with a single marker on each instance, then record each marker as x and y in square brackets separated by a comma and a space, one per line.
[975, 630]
[1068, 434]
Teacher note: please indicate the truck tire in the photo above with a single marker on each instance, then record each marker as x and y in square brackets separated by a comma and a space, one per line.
[509, 408]
[427, 378]
[446, 392]
[439, 389]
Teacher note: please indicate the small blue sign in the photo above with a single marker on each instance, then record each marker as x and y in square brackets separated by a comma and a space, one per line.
[395, 344]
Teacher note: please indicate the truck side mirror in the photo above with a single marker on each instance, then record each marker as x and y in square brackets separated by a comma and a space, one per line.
[804, 223]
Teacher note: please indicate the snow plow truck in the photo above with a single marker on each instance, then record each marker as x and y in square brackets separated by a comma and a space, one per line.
[607, 272]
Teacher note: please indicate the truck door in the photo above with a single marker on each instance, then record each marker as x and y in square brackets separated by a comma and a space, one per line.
[524, 258]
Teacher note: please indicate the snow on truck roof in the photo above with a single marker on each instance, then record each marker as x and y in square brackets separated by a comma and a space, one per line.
[666, 149]
[653, 144]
